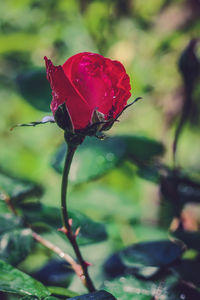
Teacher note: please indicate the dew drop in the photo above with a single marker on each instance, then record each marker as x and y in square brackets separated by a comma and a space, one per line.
[109, 156]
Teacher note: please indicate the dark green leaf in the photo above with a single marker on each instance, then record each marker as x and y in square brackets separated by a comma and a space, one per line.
[142, 149]
[15, 245]
[144, 259]
[191, 239]
[90, 231]
[55, 272]
[15, 281]
[92, 159]
[59, 291]
[149, 173]
[9, 222]
[154, 254]
[12, 237]
[99, 295]
[17, 189]
[35, 88]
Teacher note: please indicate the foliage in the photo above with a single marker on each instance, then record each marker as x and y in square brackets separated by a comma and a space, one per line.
[136, 204]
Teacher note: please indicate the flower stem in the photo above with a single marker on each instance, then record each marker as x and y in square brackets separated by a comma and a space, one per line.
[67, 222]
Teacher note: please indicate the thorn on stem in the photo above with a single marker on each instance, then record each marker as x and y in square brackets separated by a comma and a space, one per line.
[70, 222]
[63, 229]
[77, 232]
[87, 264]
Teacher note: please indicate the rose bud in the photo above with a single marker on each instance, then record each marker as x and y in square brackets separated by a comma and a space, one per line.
[89, 92]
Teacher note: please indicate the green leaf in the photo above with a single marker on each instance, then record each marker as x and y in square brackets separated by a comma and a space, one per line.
[99, 295]
[92, 159]
[12, 237]
[149, 173]
[90, 232]
[141, 149]
[154, 254]
[144, 259]
[17, 189]
[35, 89]
[96, 157]
[15, 281]
[30, 298]
[60, 291]
[9, 222]
[126, 288]
[15, 245]
[190, 238]
[56, 272]
[51, 298]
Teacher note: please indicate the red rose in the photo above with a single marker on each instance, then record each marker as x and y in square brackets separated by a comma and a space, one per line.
[89, 83]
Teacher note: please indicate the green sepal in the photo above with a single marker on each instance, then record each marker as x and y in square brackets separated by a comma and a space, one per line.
[63, 119]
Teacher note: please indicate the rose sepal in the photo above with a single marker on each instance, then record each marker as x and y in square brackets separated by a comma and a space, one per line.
[95, 128]
[108, 125]
[46, 119]
[63, 118]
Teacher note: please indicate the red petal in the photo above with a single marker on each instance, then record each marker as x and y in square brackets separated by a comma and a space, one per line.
[103, 83]
[64, 92]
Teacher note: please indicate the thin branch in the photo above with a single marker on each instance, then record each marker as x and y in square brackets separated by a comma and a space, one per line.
[76, 267]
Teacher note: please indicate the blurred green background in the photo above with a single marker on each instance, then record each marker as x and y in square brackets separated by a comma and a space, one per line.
[148, 37]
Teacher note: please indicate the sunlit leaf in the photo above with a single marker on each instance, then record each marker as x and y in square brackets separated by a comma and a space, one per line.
[12, 237]
[92, 159]
[96, 157]
[99, 295]
[15, 245]
[15, 281]
[126, 288]
[9, 222]
[59, 291]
